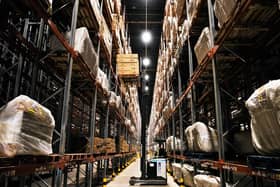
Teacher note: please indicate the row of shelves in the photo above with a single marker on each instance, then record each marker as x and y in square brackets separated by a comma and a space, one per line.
[63, 81]
[230, 166]
[26, 165]
[212, 88]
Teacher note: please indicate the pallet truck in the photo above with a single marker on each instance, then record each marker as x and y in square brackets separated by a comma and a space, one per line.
[153, 171]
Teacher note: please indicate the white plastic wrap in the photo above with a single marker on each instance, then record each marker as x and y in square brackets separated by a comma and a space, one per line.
[177, 171]
[206, 181]
[26, 127]
[170, 144]
[113, 99]
[201, 138]
[202, 45]
[223, 10]
[188, 173]
[264, 109]
[102, 80]
[83, 45]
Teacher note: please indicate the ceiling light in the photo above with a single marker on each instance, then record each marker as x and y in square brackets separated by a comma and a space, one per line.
[146, 88]
[146, 77]
[146, 37]
[146, 61]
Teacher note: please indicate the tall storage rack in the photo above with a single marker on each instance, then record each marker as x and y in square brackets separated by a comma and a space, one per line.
[243, 56]
[66, 85]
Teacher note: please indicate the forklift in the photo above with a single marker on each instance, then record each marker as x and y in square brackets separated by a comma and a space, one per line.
[153, 171]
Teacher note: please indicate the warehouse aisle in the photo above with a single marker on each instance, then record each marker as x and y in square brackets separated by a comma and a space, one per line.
[134, 170]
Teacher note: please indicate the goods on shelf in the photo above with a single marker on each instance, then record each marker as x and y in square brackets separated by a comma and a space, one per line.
[202, 45]
[103, 145]
[102, 80]
[201, 138]
[206, 181]
[96, 10]
[123, 145]
[264, 109]
[170, 144]
[106, 37]
[183, 34]
[117, 6]
[85, 47]
[177, 171]
[26, 127]
[193, 9]
[127, 65]
[82, 44]
[168, 107]
[223, 10]
[188, 173]
[114, 100]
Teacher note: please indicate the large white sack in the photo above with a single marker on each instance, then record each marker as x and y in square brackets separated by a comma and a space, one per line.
[206, 181]
[264, 109]
[26, 128]
[188, 173]
[201, 138]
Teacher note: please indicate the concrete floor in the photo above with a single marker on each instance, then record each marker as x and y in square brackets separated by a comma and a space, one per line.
[134, 170]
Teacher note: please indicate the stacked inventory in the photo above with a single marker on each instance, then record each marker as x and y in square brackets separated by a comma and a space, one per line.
[227, 108]
[64, 61]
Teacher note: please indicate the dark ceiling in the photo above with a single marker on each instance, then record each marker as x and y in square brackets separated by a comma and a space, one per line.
[135, 17]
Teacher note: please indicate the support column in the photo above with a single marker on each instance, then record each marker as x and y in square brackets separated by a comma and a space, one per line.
[218, 107]
[67, 86]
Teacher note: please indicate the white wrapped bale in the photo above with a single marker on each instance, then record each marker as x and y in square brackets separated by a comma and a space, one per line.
[102, 80]
[202, 45]
[223, 10]
[83, 45]
[26, 128]
[170, 144]
[264, 109]
[177, 172]
[206, 181]
[201, 138]
[188, 173]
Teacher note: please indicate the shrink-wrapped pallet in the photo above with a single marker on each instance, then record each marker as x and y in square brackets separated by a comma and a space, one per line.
[177, 171]
[102, 80]
[82, 44]
[202, 46]
[26, 128]
[188, 173]
[206, 181]
[201, 138]
[114, 100]
[264, 109]
[170, 144]
[223, 10]
[106, 36]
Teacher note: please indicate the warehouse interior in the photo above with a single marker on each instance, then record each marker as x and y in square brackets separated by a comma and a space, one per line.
[140, 92]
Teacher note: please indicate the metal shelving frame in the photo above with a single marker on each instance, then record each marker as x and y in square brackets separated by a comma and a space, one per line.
[217, 38]
[59, 163]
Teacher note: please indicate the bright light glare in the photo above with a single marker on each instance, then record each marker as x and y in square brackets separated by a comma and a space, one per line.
[146, 77]
[146, 62]
[146, 88]
[146, 37]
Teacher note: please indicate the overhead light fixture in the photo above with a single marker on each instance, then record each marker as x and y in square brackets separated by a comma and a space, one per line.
[146, 77]
[146, 88]
[146, 37]
[146, 62]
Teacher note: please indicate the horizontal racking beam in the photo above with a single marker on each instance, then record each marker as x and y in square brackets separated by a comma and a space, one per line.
[24, 165]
